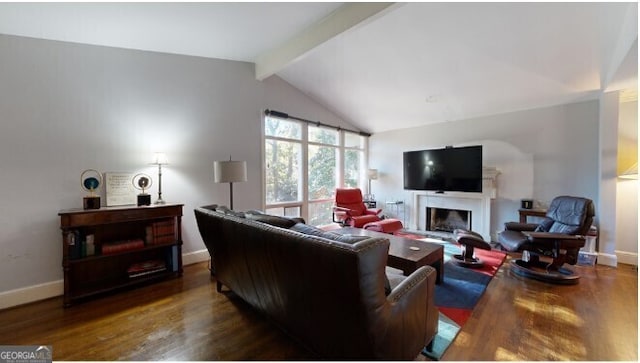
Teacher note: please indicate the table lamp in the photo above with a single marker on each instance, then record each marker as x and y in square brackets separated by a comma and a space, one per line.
[159, 159]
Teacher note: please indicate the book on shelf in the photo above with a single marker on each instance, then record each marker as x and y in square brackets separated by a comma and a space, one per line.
[174, 258]
[90, 248]
[121, 246]
[146, 268]
[161, 232]
[74, 244]
[148, 236]
[80, 245]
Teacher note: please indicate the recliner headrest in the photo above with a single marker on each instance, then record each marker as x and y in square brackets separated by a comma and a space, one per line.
[571, 210]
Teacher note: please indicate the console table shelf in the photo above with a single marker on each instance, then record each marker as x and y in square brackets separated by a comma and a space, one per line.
[110, 248]
[524, 213]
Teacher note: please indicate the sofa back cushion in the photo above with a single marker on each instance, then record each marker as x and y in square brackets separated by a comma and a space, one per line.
[315, 231]
[277, 221]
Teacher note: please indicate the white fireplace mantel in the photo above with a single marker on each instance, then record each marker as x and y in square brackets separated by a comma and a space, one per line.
[478, 203]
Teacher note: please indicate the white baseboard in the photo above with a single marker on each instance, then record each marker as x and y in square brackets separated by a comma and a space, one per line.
[31, 293]
[629, 258]
[195, 257]
[607, 259]
[51, 289]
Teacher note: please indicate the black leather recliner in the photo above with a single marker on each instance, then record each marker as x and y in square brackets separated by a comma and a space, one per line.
[559, 236]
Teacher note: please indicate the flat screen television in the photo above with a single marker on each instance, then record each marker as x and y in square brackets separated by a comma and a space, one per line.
[450, 169]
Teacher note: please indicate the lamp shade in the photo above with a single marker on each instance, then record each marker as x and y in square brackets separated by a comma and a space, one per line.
[229, 171]
[372, 174]
[631, 173]
[159, 159]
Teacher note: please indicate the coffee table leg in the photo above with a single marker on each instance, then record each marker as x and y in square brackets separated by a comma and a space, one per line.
[439, 271]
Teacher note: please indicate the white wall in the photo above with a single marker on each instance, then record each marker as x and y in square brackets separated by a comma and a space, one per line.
[541, 153]
[608, 174]
[67, 107]
[627, 190]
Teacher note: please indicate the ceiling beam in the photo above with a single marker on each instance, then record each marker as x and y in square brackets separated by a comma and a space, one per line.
[342, 19]
[628, 36]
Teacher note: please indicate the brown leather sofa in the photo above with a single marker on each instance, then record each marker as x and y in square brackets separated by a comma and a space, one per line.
[324, 290]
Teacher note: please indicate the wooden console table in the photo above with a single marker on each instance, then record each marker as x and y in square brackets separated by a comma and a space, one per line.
[114, 247]
[524, 213]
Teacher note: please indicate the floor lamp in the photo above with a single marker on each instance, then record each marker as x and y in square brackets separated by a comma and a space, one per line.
[631, 173]
[230, 172]
[372, 174]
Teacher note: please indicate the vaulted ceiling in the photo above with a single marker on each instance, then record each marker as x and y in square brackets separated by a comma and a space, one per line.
[380, 66]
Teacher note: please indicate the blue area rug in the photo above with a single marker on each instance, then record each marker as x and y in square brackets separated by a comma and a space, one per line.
[462, 287]
[447, 331]
[459, 293]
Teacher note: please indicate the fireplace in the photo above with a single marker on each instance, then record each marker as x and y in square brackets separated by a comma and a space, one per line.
[478, 203]
[447, 220]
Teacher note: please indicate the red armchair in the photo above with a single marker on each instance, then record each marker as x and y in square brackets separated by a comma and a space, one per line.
[351, 210]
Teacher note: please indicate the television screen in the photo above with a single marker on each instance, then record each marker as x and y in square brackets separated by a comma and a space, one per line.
[449, 169]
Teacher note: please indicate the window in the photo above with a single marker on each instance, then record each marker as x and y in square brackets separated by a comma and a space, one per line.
[283, 164]
[304, 164]
[283, 161]
[323, 135]
[353, 166]
[354, 162]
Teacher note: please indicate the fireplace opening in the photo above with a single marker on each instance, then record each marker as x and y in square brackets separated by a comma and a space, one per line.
[447, 220]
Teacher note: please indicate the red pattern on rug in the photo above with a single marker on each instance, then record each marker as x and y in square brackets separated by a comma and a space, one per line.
[492, 262]
[460, 316]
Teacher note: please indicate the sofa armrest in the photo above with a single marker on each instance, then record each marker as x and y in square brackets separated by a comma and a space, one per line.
[517, 226]
[414, 316]
[410, 284]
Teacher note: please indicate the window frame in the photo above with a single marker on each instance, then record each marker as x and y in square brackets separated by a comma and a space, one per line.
[304, 203]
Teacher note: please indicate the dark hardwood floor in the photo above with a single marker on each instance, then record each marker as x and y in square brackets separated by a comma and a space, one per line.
[186, 319]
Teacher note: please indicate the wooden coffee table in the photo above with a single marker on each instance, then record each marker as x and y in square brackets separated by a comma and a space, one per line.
[401, 254]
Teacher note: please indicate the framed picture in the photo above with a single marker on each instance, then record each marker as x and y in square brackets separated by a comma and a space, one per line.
[119, 189]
